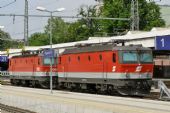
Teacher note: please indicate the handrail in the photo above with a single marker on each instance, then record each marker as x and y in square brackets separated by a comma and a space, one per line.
[4, 73]
[163, 89]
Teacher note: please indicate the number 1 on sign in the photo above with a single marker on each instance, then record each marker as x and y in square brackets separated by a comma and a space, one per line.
[163, 42]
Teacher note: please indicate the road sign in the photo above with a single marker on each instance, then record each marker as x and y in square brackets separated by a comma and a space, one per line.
[162, 42]
[49, 53]
[3, 59]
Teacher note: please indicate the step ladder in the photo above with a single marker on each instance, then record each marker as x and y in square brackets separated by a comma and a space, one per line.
[163, 90]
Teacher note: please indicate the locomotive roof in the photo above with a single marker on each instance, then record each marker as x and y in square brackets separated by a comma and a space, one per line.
[97, 48]
[28, 54]
[18, 56]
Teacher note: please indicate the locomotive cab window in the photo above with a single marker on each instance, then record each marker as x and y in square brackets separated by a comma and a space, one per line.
[136, 56]
[47, 61]
[129, 57]
[145, 57]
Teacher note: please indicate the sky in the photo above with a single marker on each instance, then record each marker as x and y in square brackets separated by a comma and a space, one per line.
[15, 26]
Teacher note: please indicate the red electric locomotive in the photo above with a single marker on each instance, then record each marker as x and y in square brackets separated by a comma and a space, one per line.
[32, 69]
[126, 70]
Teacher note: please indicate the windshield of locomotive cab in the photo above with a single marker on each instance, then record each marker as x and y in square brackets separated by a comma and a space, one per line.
[47, 61]
[130, 57]
[136, 57]
[145, 57]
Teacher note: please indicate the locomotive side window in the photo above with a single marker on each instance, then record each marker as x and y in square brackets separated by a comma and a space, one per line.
[59, 60]
[89, 58]
[78, 58]
[38, 61]
[114, 58]
[69, 59]
[100, 57]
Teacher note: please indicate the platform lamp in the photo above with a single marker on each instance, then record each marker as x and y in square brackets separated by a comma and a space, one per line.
[2, 27]
[39, 8]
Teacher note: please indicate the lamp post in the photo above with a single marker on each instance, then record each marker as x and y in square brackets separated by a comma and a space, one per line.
[51, 58]
[2, 27]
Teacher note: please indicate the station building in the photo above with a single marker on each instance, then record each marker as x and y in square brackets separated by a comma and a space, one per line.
[158, 39]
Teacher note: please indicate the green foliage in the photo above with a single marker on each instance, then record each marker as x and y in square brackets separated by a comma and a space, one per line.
[59, 30]
[84, 28]
[116, 9]
[149, 14]
[4, 43]
[93, 26]
[39, 39]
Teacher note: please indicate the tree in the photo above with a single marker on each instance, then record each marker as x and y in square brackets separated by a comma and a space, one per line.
[149, 14]
[84, 28]
[39, 39]
[59, 33]
[59, 30]
[5, 42]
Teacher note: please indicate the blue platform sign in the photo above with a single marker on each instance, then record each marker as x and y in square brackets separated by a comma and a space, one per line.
[49, 53]
[3, 59]
[162, 42]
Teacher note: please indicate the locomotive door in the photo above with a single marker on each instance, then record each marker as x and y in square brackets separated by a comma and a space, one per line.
[65, 68]
[56, 63]
[105, 64]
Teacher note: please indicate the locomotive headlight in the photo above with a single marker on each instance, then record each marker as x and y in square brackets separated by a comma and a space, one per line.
[38, 69]
[138, 68]
[113, 68]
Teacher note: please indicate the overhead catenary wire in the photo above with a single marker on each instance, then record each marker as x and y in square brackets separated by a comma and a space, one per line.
[8, 4]
[77, 17]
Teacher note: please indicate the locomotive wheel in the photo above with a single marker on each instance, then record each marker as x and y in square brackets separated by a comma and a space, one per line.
[33, 83]
[46, 85]
[24, 83]
[15, 82]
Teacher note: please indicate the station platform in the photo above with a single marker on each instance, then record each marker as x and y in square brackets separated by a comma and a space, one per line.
[42, 101]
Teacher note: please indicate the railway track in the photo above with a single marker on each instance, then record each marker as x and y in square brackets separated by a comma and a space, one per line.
[11, 109]
[5, 80]
[152, 96]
